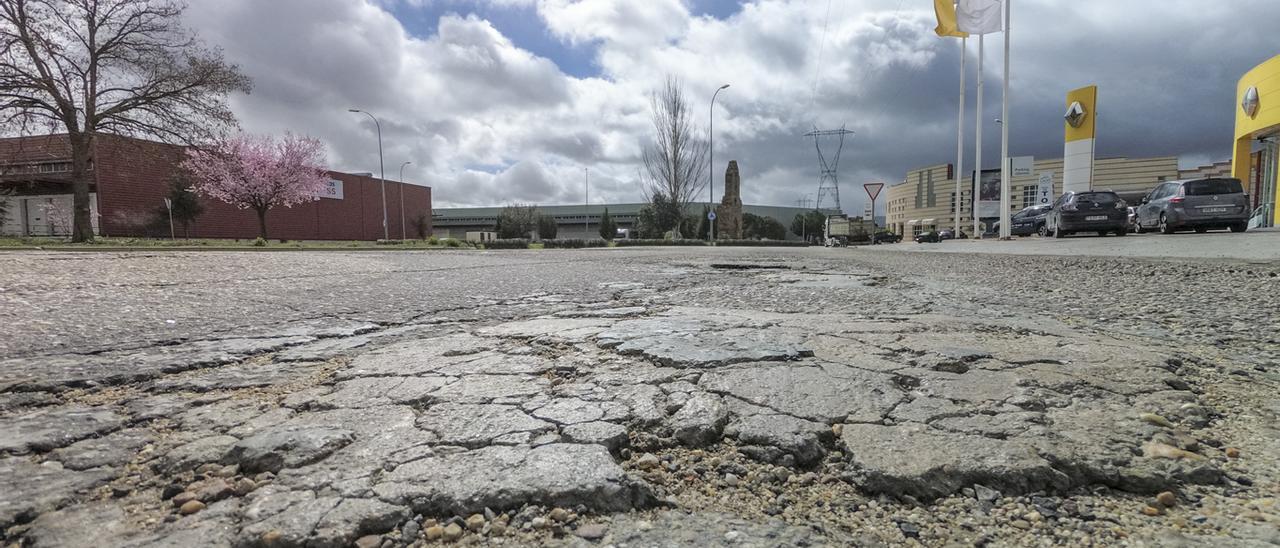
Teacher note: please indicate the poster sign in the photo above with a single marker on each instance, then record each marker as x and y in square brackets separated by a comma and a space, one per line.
[989, 194]
[1044, 191]
[332, 190]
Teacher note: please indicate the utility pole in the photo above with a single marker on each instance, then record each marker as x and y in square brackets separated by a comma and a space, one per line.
[586, 204]
[386, 231]
[711, 167]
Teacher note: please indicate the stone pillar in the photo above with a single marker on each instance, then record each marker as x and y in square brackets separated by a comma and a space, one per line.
[729, 212]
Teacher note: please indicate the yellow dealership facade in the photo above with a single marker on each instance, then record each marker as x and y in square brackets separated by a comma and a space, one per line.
[1257, 146]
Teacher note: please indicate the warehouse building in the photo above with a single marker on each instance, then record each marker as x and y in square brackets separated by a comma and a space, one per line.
[924, 201]
[582, 221]
[131, 179]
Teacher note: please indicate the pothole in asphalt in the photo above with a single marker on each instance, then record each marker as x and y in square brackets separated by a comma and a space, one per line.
[749, 266]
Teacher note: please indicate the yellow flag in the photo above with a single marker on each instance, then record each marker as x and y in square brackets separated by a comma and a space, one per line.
[946, 12]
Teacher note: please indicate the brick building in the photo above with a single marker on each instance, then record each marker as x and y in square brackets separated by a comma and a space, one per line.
[130, 180]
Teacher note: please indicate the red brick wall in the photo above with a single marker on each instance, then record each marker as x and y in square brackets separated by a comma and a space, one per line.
[133, 179]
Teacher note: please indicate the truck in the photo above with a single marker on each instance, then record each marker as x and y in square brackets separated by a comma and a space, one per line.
[840, 230]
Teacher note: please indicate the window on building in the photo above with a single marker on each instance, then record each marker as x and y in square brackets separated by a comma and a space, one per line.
[1029, 195]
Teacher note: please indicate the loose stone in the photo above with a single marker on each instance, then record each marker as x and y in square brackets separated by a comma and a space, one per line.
[593, 531]
[559, 514]
[183, 498]
[1166, 499]
[452, 532]
[1155, 419]
[1233, 453]
[475, 522]
[434, 532]
[648, 461]
[369, 541]
[1150, 510]
[191, 507]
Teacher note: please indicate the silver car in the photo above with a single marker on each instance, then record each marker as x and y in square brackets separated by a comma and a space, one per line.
[1198, 204]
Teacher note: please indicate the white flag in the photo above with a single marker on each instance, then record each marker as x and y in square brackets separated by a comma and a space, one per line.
[980, 16]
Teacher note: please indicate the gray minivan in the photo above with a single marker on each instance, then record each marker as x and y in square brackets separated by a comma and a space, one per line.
[1199, 204]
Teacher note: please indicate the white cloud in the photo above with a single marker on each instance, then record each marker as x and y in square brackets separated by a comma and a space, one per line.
[487, 122]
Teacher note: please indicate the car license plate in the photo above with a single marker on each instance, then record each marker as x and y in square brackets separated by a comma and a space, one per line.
[1096, 218]
[1215, 210]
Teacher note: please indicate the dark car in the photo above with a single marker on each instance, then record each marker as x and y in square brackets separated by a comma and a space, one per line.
[1028, 221]
[1199, 204]
[1100, 211]
[931, 237]
[886, 237]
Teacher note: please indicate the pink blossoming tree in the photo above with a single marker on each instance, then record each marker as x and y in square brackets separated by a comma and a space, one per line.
[260, 172]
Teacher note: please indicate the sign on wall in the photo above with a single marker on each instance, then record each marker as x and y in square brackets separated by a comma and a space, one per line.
[332, 190]
[1044, 194]
[1022, 165]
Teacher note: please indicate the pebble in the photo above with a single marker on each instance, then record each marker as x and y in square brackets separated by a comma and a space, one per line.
[183, 498]
[539, 523]
[272, 538]
[647, 461]
[410, 530]
[731, 480]
[243, 486]
[559, 515]
[475, 522]
[369, 541]
[452, 532]
[985, 493]
[592, 531]
[191, 507]
[498, 528]
[1233, 453]
[434, 532]
[170, 491]
[1150, 510]
[1155, 419]
[909, 530]
[1166, 499]
[1021, 524]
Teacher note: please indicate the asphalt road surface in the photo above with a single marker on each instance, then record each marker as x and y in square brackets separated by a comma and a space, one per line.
[641, 397]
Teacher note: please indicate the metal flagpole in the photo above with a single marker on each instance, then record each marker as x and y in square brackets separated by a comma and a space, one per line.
[1005, 176]
[977, 183]
[964, 42]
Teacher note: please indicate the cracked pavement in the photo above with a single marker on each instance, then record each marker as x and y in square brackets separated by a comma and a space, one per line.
[633, 397]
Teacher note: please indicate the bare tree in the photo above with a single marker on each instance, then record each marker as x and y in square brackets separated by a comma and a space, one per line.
[127, 67]
[675, 162]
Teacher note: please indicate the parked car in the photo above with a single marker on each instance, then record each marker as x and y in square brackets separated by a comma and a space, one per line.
[931, 237]
[1198, 204]
[1133, 219]
[1028, 221]
[885, 237]
[1100, 211]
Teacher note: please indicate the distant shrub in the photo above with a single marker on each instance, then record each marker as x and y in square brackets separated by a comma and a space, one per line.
[760, 243]
[657, 242]
[389, 242]
[433, 241]
[508, 243]
[259, 242]
[451, 242]
[567, 243]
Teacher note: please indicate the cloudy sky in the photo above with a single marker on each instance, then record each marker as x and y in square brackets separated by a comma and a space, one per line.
[501, 101]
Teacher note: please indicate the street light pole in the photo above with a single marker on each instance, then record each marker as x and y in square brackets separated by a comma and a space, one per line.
[402, 234]
[386, 232]
[711, 164]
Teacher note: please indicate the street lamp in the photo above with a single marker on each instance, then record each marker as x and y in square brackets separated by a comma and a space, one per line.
[383, 171]
[402, 232]
[711, 167]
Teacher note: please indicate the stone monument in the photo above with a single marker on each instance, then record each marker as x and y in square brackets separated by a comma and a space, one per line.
[729, 212]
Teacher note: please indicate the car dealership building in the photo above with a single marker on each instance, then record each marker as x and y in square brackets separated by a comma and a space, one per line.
[130, 179]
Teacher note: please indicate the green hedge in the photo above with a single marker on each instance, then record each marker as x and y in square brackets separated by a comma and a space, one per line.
[513, 243]
[760, 243]
[637, 243]
[573, 243]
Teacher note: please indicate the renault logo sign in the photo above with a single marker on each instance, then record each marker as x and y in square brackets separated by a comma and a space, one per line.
[1250, 102]
[1075, 114]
